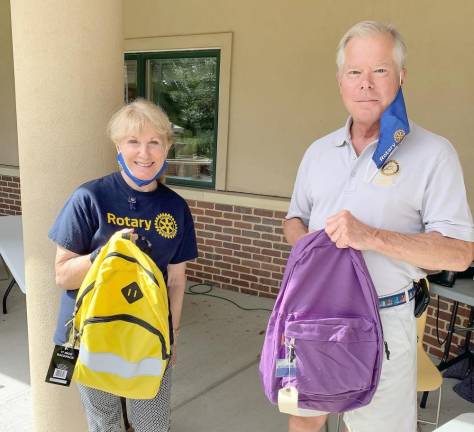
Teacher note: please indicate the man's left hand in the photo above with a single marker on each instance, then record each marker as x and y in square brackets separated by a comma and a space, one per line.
[347, 231]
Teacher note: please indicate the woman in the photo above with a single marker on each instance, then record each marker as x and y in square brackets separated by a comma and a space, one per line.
[132, 200]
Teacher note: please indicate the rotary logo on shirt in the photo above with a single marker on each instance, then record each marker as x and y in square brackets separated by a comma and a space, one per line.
[399, 135]
[166, 225]
[388, 173]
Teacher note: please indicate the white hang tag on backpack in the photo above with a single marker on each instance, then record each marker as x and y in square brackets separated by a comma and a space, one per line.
[288, 395]
[288, 400]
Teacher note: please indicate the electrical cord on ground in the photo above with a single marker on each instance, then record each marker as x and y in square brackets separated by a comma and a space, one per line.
[206, 293]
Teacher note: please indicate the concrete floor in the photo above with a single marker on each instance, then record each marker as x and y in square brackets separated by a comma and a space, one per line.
[215, 383]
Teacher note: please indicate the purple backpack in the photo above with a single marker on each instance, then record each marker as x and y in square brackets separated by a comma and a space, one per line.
[326, 321]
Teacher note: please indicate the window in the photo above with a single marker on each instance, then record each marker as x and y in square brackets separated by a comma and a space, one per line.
[186, 85]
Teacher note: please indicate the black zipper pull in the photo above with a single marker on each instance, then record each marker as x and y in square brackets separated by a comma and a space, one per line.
[292, 354]
[387, 352]
[291, 350]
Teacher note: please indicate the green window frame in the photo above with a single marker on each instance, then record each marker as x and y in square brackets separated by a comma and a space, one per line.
[143, 88]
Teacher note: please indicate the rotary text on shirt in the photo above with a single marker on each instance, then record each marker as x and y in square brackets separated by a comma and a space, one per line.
[128, 222]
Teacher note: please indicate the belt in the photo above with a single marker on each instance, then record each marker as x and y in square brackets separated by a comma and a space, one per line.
[397, 299]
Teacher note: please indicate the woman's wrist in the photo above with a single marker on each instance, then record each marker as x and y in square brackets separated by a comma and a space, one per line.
[94, 253]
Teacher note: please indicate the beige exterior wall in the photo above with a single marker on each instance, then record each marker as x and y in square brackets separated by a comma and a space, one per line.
[62, 108]
[283, 91]
[8, 140]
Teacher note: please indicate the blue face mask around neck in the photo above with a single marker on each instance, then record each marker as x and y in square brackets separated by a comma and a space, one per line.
[394, 126]
[136, 180]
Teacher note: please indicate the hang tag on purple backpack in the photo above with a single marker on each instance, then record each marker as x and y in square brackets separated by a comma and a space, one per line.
[285, 368]
[288, 400]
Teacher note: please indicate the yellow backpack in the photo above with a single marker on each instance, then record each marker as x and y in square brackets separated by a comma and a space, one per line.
[121, 320]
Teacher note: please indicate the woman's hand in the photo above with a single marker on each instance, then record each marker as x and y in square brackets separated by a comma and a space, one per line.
[71, 268]
[129, 233]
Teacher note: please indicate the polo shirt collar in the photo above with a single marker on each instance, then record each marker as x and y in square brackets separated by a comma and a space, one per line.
[346, 134]
[345, 137]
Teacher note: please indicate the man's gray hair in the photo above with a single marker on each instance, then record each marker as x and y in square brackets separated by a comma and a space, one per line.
[368, 28]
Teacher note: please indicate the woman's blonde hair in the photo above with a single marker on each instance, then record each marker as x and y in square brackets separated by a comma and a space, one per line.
[135, 116]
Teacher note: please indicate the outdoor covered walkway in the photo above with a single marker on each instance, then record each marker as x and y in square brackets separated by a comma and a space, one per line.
[216, 386]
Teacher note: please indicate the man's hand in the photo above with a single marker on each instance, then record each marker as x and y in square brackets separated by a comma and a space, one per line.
[428, 250]
[347, 231]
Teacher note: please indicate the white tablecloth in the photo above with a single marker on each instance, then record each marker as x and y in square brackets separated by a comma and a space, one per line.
[462, 423]
[11, 247]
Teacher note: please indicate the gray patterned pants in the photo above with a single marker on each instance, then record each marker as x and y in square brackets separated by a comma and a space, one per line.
[104, 412]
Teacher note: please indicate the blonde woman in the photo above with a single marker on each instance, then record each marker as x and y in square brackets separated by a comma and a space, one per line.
[132, 199]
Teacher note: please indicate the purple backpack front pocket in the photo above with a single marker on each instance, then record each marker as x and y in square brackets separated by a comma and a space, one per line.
[334, 356]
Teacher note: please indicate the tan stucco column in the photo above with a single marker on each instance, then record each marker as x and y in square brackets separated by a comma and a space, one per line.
[68, 81]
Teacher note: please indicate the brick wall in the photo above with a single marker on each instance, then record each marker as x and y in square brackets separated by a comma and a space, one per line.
[240, 248]
[10, 202]
[445, 308]
[243, 249]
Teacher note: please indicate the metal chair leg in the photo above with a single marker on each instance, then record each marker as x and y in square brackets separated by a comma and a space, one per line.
[5, 296]
[338, 422]
[424, 399]
[435, 423]
[439, 406]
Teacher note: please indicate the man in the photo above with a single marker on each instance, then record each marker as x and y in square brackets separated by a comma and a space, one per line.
[407, 215]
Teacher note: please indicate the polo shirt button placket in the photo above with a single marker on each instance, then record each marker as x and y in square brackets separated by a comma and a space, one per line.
[351, 183]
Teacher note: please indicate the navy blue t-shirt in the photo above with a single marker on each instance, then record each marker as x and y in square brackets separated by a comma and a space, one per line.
[101, 207]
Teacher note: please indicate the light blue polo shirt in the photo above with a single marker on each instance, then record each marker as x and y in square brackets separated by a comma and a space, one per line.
[420, 189]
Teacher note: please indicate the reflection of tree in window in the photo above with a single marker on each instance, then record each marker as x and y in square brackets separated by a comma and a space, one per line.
[130, 80]
[186, 89]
